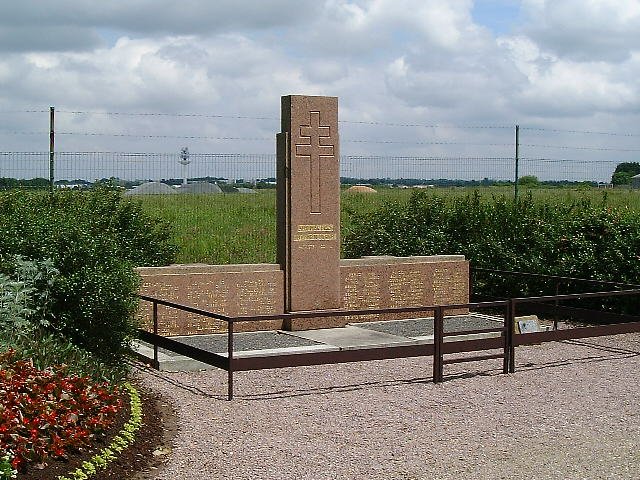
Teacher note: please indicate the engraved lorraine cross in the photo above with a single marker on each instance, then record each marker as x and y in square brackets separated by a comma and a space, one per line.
[313, 151]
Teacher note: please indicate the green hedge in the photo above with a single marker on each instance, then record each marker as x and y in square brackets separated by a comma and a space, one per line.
[93, 239]
[578, 239]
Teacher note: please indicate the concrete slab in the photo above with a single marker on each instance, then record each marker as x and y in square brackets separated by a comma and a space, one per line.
[350, 336]
[179, 363]
[274, 352]
[168, 363]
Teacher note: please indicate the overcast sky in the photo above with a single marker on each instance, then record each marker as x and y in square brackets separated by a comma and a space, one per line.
[557, 65]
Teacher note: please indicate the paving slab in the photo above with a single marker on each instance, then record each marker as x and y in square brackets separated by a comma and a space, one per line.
[354, 336]
[351, 336]
[168, 361]
[423, 327]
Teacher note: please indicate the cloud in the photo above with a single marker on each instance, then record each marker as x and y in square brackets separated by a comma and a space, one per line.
[561, 64]
[52, 38]
[562, 87]
[579, 30]
[371, 29]
[31, 25]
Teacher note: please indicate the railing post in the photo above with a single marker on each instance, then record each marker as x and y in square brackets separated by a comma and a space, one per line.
[438, 330]
[555, 313]
[512, 324]
[230, 358]
[156, 363]
[508, 339]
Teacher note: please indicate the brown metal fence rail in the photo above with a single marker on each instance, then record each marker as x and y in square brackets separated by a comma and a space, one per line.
[507, 341]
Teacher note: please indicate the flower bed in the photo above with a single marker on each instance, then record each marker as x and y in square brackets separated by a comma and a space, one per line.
[46, 414]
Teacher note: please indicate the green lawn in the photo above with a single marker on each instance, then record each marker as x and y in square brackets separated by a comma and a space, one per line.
[240, 228]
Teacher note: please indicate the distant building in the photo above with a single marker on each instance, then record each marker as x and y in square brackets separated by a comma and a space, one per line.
[635, 181]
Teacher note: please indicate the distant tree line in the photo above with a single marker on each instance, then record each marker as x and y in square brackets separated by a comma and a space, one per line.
[527, 181]
[31, 183]
[624, 172]
[622, 176]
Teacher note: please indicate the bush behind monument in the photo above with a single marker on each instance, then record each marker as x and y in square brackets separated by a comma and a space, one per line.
[94, 239]
[580, 238]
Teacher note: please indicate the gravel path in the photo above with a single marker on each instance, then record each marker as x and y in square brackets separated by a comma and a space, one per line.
[571, 411]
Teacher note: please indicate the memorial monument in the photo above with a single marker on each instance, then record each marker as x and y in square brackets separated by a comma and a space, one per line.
[309, 274]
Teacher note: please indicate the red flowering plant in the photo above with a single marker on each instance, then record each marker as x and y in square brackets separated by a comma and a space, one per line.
[49, 414]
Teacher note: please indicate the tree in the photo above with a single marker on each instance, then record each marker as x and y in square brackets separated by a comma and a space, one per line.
[529, 181]
[623, 173]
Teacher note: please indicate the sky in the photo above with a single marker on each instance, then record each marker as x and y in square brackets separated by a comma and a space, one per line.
[415, 78]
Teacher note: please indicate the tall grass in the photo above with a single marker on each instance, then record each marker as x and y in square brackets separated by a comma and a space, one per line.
[240, 228]
[220, 229]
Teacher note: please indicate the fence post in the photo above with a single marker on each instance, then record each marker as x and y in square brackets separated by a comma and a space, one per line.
[52, 140]
[156, 363]
[438, 330]
[515, 185]
[230, 358]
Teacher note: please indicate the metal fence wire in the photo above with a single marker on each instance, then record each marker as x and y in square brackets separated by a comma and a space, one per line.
[86, 168]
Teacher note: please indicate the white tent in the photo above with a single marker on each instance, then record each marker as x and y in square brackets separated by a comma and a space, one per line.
[152, 188]
[200, 187]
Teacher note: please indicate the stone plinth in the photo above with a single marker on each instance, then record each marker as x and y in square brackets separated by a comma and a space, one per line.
[226, 289]
[370, 282]
[394, 282]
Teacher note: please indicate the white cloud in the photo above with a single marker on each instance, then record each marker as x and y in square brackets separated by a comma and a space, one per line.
[585, 30]
[570, 89]
[563, 87]
[71, 24]
[390, 61]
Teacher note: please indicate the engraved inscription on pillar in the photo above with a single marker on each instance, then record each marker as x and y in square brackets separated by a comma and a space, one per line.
[315, 233]
[314, 152]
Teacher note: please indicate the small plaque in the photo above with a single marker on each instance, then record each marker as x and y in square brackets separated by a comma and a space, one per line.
[529, 325]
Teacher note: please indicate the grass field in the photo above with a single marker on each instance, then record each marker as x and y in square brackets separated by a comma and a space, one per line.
[240, 228]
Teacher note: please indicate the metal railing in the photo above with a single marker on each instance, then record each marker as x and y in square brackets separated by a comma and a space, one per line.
[507, 340]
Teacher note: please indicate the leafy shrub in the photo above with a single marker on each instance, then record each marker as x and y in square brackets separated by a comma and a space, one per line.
[25, 299]
[7, 472]
[93, 240]
[577, 239]
[24, 303]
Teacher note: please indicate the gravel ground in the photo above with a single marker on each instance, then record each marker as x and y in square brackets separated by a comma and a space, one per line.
[569, 412]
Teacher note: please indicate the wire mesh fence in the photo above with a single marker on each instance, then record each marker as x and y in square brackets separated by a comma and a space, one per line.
[131, 169]
[222, 205]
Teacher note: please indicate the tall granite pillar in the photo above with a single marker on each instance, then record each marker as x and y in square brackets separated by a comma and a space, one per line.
[308, 202]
